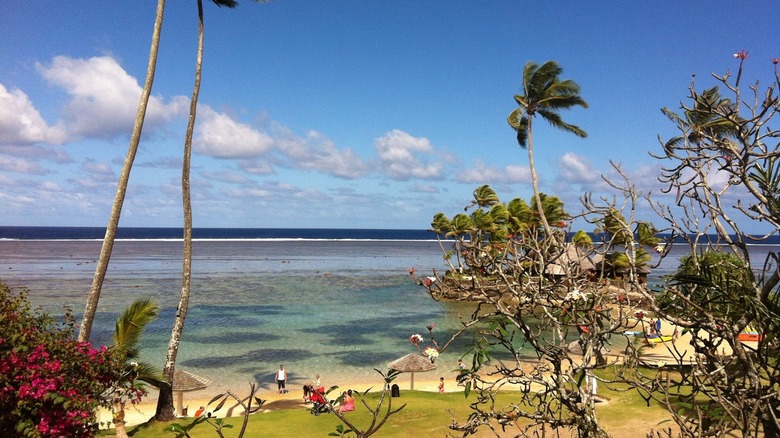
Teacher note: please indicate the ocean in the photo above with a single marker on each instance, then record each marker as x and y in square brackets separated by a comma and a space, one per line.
[337, 303]
[331, 302]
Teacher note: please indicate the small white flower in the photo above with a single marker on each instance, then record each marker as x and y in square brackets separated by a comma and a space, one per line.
[576, 295]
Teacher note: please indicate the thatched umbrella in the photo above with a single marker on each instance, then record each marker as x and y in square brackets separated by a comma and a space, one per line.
[412, 363]
[185, 381]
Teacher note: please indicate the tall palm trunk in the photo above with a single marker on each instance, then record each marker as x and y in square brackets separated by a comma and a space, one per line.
[165, 410]
[535, 179]
[121, 188]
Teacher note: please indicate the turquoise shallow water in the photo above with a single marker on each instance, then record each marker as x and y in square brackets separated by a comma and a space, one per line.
[335, 308]
[338, 308]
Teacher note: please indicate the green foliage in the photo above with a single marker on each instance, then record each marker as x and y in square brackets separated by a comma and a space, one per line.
[250, 405]
[582, 239]
[545, 94]
[723, 170]
[767, 178]
[705, 120]
[717, 281]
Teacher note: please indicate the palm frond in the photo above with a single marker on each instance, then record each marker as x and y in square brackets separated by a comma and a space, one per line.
[545, 93]
[131, 323]
[581, 239]
[519, 210]
[225, 3]
[441, 224]
[500, 214]
[484, 196]
[149, 374]
[461, 224]
[555, 120]
[519, 122]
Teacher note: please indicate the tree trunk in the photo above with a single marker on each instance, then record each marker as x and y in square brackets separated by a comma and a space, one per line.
[119, 418]
[116, 210]
[165, 401]
[535, 178]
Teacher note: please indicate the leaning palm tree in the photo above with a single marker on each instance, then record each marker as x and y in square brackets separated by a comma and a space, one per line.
[116, 210]
[165, 410]
[127, 333]
[543, 94]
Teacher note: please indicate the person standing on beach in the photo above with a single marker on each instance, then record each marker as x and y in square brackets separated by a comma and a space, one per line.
[281, 379]
[441, 385]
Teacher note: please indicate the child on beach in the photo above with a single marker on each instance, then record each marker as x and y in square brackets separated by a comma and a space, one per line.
[441, 385]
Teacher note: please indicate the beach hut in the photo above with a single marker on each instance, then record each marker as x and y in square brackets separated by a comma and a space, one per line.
[412, 363]
[185, 381]
[573, 259]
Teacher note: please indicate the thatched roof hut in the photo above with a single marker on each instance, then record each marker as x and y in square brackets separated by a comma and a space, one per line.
[412, 363]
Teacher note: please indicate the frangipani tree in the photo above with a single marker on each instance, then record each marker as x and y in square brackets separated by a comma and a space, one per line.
[539, 310]
[722, 170]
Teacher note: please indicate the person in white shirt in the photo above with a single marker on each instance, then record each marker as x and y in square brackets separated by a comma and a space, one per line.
[281, 379]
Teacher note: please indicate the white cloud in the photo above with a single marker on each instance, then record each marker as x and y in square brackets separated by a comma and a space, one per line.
[102, 170]
[577, 170]
[19, 165]
[20, 122]
[425, 188]
[517, 174]
[226, 176]
[103, 97]
[403, 156]
[484, 174]
[256, 167]
[317, 152]
[220, 136]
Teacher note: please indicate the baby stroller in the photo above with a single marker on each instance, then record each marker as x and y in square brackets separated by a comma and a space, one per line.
[320, 404]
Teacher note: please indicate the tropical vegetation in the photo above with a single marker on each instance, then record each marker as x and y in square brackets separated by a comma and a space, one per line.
[544, 94]
[723, 165]
[130, 385]
[50, 384]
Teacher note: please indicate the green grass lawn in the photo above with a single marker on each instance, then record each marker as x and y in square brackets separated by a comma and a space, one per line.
[425, 414]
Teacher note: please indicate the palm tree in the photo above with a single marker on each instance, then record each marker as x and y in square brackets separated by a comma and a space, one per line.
[543, 94]
[704, 121]
[165, 410]
[127, 333]
[116, 210]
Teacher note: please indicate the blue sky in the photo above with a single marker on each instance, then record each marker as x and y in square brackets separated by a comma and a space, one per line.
[343, 114]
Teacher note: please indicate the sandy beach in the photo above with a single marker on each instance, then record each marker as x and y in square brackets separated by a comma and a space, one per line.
[293, 399]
